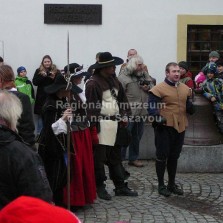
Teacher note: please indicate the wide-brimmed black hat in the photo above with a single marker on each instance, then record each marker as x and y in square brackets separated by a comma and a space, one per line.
[107, 60]
[73, 67]
[59, 83]
[75, 70]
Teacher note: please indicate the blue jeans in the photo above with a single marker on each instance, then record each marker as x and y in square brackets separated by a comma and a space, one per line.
[39, 124]
[136, 129]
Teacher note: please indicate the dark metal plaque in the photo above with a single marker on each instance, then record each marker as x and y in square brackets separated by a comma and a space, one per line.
[73, 14]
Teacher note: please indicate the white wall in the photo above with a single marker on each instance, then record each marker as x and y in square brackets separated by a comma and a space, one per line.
[148, 26]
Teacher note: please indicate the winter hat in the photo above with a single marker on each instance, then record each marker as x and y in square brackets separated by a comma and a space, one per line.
[199, 79]
[33, 210]
[212, 68]
[183, 64]
[214, 54]
[20, 69]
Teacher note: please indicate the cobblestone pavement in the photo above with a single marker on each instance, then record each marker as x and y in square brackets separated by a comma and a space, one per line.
[202, 201]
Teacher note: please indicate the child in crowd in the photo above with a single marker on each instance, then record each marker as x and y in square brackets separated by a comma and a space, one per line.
[219, 64]
[212, 90]
[185, 74]
[199, 79]
[23, 84]
[212, 59]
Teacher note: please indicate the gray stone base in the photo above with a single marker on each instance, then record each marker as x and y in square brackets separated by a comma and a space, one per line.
[147, 149]
[192, 158]
[204, 159]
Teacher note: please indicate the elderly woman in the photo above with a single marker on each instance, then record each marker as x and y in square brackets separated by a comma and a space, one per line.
[21, 169]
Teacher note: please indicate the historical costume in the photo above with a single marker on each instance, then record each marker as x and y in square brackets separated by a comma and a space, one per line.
[82, 186]
[52, 147]
[106, 103]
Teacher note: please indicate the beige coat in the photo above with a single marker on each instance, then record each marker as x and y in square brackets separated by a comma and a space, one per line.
[137, 97]
[173, 106]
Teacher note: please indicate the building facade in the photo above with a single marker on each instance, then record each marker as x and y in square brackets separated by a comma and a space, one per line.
[157, 29]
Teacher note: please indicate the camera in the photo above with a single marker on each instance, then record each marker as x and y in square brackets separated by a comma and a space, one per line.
[48, 73]
[144, 82]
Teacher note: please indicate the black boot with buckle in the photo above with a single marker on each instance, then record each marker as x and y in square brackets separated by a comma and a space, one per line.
[163, 190]
[103, 193]
[175, 189]
[125, 191]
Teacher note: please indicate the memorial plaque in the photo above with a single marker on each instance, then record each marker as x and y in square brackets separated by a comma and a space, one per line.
[73, 14]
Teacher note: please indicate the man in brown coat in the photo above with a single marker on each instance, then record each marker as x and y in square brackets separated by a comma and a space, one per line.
[169, 102]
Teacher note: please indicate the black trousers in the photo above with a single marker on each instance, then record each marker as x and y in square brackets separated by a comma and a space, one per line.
[168, 142]
[110, 156]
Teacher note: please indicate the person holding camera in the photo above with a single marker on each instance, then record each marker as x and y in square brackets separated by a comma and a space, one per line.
[43, 77]
[136, 83]
[169, 102]
[131, 53]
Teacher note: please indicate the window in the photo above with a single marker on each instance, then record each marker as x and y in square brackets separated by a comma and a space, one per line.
[197, 35]
[201, 39]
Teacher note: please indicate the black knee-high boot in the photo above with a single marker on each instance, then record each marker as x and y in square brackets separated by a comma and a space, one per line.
[160, 171]
[171, 169]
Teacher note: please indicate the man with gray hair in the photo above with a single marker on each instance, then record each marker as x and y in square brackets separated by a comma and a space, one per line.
[136, 83]
[21, 169]
[131, 53]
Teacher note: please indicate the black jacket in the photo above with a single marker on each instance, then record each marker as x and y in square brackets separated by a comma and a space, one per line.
[52, 147]
[41, 82]
[26, 127]
[21, 170]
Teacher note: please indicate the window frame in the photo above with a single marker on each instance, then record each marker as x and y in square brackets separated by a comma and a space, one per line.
[183, 21]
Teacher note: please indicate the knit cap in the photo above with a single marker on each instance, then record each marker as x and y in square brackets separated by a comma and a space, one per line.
[212, 68]
[214, 54]
[20, 69]
[199, 79]
[184, 65]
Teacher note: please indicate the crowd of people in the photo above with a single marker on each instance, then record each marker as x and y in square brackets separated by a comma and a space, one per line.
[77, 129]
